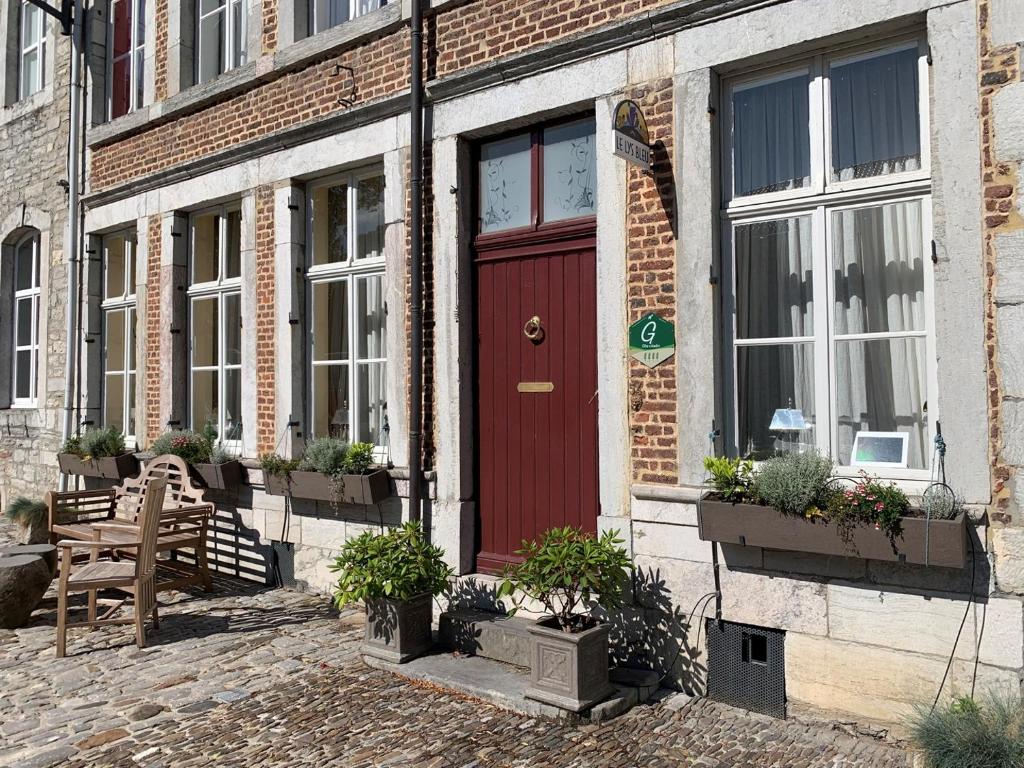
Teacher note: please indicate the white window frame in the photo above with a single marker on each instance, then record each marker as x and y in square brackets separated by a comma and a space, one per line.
[820, 200]
[32, 295]
[354, 12]
[349, 271]
[219, 289]
[136, 47]
[25, 47]
[127, 303]
[229, 34]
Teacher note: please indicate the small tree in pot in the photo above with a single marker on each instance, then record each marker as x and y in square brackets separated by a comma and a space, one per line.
[568, 571]
[396, 575]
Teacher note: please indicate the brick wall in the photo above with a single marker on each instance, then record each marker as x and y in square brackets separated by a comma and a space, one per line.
[270, 25]
[160, 51]
[154, 332]
[650, 257]
[266, 412]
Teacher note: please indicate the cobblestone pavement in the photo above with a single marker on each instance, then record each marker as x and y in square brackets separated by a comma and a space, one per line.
[253, 677]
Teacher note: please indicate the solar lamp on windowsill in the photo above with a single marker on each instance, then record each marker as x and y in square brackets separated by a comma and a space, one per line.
[788, 423]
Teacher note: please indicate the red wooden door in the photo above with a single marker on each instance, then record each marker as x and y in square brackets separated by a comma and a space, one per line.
[536, 409]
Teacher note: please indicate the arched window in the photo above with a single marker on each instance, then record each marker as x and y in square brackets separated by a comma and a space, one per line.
[26, 320]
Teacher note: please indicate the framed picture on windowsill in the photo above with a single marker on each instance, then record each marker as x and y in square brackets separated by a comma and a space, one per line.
[880, 449]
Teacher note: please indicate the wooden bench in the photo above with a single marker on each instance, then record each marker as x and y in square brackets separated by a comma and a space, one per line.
[183, 521]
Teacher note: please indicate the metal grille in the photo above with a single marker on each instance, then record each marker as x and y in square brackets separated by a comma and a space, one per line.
[747, 667]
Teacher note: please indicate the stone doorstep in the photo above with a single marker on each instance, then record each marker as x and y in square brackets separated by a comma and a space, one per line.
[504, 685]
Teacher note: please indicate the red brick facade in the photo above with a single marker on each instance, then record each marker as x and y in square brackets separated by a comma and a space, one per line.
[154, 331]
[266, 378]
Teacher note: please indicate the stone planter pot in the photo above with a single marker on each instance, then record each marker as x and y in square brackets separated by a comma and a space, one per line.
[25, 575]
[33, 533]
[398, 631]
[569, 669]
[219, 476]
[752, 525]
[349, 489]
[107, 467]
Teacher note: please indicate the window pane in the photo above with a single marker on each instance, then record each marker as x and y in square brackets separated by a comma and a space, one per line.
[881, 386]
[370, 317]
[774, 281]
[131, 339]
[205, 247]
[370, 217]
[140, 76]
[30, 72]
[570, 176]
[330, 401]
[131, 243]
[23, 374]
[878, 259]
[329, 13]
[770, 378]
[204, 331]
[330, 224]
[114, 247]
[233, 256]
[122, 22]
[113, 405]
[504, 184]
[237, 34]
[232, 405]
[31, 24]
[771, 136]
[204, 399]
[211, 46]
[876, 127]
[120, 87]
[114, 337]
[233, 329]
[24, 265]
[330, 321]
[208, 6]
[130, 426]
[23, 337]
[365, 6]
[372, 388]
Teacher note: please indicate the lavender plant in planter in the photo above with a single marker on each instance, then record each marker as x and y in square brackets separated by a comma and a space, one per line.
[568, 571]
[97, 453]
[329, 470]
[396, 575]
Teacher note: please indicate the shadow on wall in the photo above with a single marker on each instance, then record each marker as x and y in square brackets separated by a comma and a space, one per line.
[657, 634]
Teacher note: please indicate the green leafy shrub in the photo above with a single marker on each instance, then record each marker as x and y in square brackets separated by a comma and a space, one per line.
[969, 734]
[793, 483]
[26, 512]
[275, 464]
[325, 455]
[72, 445]
[193, 447]
[731, 478]
[566, 571]
[869, 502]
[95, 443]
[399, 565]
[359, 459]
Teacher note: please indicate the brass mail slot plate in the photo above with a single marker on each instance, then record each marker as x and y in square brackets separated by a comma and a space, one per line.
[535, 386]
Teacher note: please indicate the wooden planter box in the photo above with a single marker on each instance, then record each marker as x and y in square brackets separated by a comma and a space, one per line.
[108, 467]
[219, 476]
[351, 489]
[751, 525]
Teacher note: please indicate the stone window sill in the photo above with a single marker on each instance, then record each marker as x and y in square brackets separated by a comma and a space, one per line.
[27, 105]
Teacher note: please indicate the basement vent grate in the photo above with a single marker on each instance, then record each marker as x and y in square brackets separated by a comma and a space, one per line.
[747, 667]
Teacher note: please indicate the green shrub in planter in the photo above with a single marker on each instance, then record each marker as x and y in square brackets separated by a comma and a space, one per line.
[793, 482]
[95, 444]
[971, 734]
[276, 465]
[731, 478]
[359, 459]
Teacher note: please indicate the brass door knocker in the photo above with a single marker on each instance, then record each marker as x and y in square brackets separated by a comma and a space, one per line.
[533, 330]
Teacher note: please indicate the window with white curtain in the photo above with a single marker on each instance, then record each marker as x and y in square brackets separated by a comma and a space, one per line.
[345, 274]
[127, 59]
[215, 323]
[31, 50]
[26, 320]
[827, 233]
[220, 37]
[324, 14]
[119, 316]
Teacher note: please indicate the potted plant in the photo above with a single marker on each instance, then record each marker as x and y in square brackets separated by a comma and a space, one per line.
[215, 467]
[794, 502]
[329, 470]
[568, 571]
[32, 518]
[395, 575]
[967, 733]
[97, 453]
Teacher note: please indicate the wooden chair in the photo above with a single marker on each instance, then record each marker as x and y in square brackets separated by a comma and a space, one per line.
[184, 518]
[137, 578]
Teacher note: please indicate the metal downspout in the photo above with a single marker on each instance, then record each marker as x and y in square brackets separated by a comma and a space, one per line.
[416, 265]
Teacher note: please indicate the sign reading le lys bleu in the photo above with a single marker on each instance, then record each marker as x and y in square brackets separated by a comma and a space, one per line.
[652, 340]
[629, 129]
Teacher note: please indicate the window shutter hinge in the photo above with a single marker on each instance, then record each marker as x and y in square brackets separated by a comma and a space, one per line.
[711, 107]
[293, 424]
[292, 206]
[175, 234]
[935, 253]
[928, 56]
[712, 277]
[174, 330]
[173, 423]
[292, 319]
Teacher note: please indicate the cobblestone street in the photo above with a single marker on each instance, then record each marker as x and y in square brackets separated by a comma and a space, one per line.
[254, 677]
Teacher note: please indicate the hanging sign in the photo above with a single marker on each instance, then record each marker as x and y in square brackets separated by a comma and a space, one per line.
[652, 340]
[629, 130]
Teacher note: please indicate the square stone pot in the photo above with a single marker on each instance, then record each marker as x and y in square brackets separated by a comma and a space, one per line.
[398, 631]
[569, 669]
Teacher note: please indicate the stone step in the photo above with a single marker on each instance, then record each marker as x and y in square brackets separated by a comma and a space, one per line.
[484, 633]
